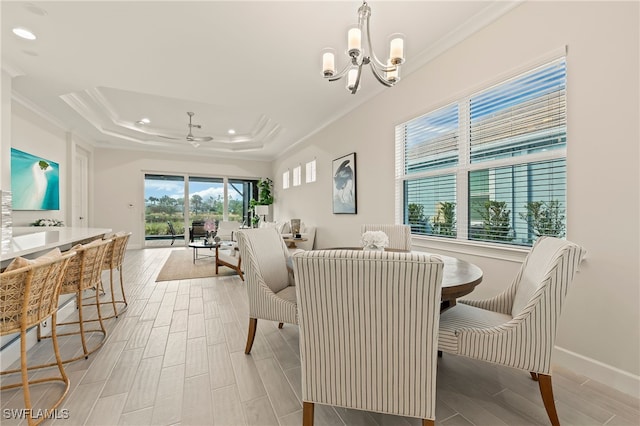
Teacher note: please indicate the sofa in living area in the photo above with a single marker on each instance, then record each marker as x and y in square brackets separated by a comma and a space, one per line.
[284, 228]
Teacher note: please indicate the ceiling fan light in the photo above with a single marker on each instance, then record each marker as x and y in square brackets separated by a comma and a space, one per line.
[24, 33]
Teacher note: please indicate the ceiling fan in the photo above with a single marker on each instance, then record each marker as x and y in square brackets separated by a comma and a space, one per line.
[195, 139]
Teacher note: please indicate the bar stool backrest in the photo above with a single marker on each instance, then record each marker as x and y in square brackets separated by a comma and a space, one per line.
[84, 270]
[114, 257]
[29, 295]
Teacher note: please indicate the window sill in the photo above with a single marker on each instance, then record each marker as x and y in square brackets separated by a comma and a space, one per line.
[472, 248]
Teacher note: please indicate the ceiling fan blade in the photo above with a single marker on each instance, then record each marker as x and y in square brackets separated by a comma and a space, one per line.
[201, 138]
[168, 137]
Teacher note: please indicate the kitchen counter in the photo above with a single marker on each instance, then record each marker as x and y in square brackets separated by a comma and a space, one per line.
[30, 241]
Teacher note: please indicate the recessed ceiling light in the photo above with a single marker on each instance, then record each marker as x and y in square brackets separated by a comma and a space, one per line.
[231, 132]
[24, 33]
[143, 121]
[35, 9]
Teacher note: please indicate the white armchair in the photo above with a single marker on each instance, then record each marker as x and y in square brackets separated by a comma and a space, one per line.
[228, 254]
[518, 327]
[399, 235]
[272, 295]
[227, 230]
[359, 313]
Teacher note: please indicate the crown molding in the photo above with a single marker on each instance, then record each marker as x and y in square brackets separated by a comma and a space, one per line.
[12, 70]
[18, 98]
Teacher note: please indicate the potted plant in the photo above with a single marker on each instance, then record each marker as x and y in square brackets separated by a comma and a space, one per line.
[265, 198]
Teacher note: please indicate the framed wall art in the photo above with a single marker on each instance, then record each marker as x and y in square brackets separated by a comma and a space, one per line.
[35, 182]
[344, 184]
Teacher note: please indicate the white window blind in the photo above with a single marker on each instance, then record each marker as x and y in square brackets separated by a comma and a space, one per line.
[285, 179]
[524, 115]
[431, 141]
[491, 166]
[297, 176]
[310, 172]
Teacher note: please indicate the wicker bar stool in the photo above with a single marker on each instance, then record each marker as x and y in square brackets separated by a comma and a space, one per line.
[28, 296]
[83, 273]
[113, 260]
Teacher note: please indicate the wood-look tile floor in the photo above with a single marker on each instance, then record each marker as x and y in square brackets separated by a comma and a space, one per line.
[176, 357]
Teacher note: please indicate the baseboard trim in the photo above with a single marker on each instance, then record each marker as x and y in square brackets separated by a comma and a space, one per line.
[613, 377]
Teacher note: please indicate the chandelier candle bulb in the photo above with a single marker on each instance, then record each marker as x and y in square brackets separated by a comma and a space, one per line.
[354, 41]
[392, 74]
[351, 78]
[328, 63]
[396, 49]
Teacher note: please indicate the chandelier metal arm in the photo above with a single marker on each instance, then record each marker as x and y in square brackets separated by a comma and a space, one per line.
[357, 83]
[371, 52]
[380, 78]
[341, 74]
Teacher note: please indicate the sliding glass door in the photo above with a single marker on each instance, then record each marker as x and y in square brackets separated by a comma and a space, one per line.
[169, 213]
[164, 209]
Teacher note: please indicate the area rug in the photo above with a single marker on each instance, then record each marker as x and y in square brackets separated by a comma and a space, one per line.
[180, 266]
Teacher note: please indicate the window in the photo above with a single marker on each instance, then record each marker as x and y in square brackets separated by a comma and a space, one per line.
[297, 176]
[310, 172]
[491, 166]
[285, 180]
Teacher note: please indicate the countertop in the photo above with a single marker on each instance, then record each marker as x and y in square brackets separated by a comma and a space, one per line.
[33, 239]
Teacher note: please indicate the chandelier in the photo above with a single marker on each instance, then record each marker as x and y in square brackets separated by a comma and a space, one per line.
[359, 55]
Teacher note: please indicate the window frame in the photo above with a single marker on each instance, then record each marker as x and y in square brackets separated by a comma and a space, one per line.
[464, 167]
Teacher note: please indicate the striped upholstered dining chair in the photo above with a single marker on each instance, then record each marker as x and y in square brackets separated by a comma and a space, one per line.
[270, 287]
[517, 328]
[368, 330]
[399, 235]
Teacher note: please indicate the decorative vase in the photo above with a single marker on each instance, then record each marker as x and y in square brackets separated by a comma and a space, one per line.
[373, 247]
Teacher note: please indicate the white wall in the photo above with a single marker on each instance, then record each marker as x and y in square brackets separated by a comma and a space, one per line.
[5, 132]
[119, 182]
[35, 135]
[599, 332]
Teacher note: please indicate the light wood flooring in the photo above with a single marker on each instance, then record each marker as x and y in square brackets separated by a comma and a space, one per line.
[176, 356]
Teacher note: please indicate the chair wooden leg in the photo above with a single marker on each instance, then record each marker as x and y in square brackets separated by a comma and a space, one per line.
[113, 297]
[428, 422]
[546, 390]
[307, 413]
[56, 349]
[239, 270]
[24, 373]
[534, 376]
[280, 325]
[253, 325]
[124, 296]
[81, 325]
